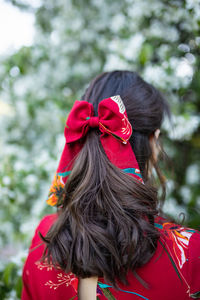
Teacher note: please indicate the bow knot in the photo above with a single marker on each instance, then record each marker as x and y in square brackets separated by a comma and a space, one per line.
[93, 122]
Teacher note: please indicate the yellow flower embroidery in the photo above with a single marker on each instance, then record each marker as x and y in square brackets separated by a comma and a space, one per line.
[56, 190]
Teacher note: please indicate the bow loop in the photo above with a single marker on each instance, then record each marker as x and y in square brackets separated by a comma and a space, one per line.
[77, 124]
[113, 119]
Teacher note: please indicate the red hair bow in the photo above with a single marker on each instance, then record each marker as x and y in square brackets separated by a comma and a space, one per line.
[112, 119]
[116, 130]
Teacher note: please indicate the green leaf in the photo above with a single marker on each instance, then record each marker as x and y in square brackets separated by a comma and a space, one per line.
[146, 53]
[8, 272]
[171, 259]
[107, 293]
[18, 287]
[73, 297]
[195, 295]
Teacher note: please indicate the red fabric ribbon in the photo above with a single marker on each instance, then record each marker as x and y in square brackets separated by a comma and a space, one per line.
[115, 129]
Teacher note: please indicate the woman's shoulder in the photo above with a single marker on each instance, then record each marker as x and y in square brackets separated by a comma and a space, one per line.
[44, 225]
[185, 241]
[174, 231]
[47, 221]
[165, 224]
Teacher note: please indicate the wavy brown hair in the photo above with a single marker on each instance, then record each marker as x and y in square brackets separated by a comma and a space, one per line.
[105, 224]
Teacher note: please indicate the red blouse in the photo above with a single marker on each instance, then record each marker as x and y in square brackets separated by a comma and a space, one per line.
[173, 273]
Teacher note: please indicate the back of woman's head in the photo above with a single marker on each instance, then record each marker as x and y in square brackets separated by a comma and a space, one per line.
[105, 225]
[145, 106]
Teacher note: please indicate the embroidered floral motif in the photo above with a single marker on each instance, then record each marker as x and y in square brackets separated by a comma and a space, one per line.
[56, 190]
[126, 129]
[67, 280]
[180, 237]
[43, 265]
[46, 265]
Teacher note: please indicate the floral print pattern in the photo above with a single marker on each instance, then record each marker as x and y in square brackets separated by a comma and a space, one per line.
[56, 190]
[180, 237]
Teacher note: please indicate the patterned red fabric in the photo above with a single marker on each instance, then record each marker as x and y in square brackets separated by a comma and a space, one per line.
[115, 129]
[173, 273]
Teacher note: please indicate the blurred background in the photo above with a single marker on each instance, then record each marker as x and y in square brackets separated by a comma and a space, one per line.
[49, 51]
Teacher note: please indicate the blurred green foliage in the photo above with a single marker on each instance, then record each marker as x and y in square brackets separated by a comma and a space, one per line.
[11, 281]
[74, 41]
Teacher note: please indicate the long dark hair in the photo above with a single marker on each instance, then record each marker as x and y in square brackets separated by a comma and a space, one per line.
[105, 224]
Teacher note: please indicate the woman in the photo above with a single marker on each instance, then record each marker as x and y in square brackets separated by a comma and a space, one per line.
[107, 240]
